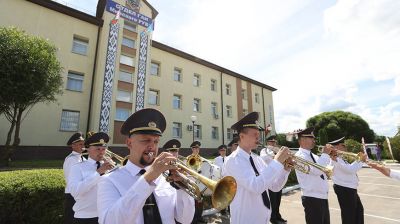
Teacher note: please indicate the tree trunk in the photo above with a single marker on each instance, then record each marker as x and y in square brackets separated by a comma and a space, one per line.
[17, 140]
[5, 155]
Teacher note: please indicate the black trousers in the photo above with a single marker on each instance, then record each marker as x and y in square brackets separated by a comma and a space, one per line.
[316, 210]
[87, 221]
[275, 198]
[351, 208]
[198, 212]
[69, 201]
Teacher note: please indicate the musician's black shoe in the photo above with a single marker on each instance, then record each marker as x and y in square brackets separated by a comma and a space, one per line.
[277, 222]
[282, 220]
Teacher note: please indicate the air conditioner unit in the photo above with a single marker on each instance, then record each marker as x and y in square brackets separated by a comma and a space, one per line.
[189, 127]
[216, 116]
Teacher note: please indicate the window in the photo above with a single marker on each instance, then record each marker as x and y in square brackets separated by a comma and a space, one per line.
[257, 98]
[228, 89]
[122, 114]
[214, 111]
[129, 26]
[196, 105]
[214, 132]
[69, 120]
[154, 97]
[244, 95]
[176, 103]
[126, 60]
[228, 111]
[213, 85]
[124, 96]
[244, 112]
[197, 131]
[229, 134]
[196, 80]
[74, 81]
[155, 69]
[176, 130]
[128, 42]
[80, 46]
[177, 75]
[125, 76]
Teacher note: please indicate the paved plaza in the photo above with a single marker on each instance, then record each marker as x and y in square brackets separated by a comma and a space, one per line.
[379, 194]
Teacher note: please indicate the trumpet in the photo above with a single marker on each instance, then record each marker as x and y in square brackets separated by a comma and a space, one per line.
[304, 165]
[223, 191]
[110, 156]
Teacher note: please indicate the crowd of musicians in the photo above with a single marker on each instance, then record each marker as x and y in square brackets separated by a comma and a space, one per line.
[150, 186]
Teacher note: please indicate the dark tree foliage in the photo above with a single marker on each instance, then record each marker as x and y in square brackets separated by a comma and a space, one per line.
[340, 123]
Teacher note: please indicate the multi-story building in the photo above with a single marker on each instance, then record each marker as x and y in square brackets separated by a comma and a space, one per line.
[199, 99]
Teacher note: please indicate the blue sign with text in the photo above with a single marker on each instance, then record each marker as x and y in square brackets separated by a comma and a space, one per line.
[128, 14]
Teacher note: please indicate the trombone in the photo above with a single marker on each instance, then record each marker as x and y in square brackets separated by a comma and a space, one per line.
[223, 191]
[304, 165]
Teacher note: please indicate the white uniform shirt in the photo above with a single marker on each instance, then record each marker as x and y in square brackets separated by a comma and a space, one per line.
[219, 161]
[72, 159]
[395, 174]
[82, 182]
[312, 185]
[123, 193]
[345, 174]
[248, 206]
[267, 155]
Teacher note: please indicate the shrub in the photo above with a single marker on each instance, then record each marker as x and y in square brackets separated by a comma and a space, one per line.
[32, 196]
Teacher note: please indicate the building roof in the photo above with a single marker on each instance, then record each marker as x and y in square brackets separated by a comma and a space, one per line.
[190, 57]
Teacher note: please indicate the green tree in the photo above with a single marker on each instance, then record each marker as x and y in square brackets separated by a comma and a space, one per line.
[340, 123]
[29, 74]
[323, 136]
[395, 145]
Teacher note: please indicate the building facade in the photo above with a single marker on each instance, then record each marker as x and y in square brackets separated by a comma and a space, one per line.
[112, 66]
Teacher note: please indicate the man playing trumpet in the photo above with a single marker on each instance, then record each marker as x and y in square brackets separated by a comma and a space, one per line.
[314, 185]
[84, 176]
[346, 182]
[137, 192]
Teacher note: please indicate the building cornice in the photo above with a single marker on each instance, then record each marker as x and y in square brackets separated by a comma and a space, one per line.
[68, 11]
[195, 59]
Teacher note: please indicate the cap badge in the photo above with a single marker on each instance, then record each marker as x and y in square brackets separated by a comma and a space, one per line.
[152, 124]
[174, 146]
[102, 141]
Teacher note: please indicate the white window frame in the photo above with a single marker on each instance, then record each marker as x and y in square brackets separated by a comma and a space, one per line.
[196, 105]
[127, 60]
[197, 131]
[228, 89]
[124, 96]
[69, 120]
[214, 133]
[229, 134]
[179, 97]
[196, 80]
[257, 97]
[214, 109]
[74, 77]
[244, 95]
[130, 26]
[127, 42]
[157, 97]
[228, 111]
[125, 76]
[152, 68]
[177, 75]
[176, 127]
[78, 44]
[121, 114]
[213, 85]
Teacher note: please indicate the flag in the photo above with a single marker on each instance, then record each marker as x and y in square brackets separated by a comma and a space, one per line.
[390, 147]
[115, 20]
[149, 29]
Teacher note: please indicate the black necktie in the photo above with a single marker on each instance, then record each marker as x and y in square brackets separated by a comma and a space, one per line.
[312, 157]
[264, 194]
[150, 209]
[98, 164]
[223, 159]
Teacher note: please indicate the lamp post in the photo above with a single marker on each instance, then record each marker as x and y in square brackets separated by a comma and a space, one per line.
[193, 118]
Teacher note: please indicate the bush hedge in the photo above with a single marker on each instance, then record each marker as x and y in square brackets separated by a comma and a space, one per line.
[32, 196]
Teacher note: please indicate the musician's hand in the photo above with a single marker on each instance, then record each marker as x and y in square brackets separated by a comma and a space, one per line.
[385, 171]
[104, 167]
[327, 149]
[289, 164]
[282, 155]
[160, 165]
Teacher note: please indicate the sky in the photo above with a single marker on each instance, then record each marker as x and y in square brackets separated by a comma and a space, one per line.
[321, 55]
